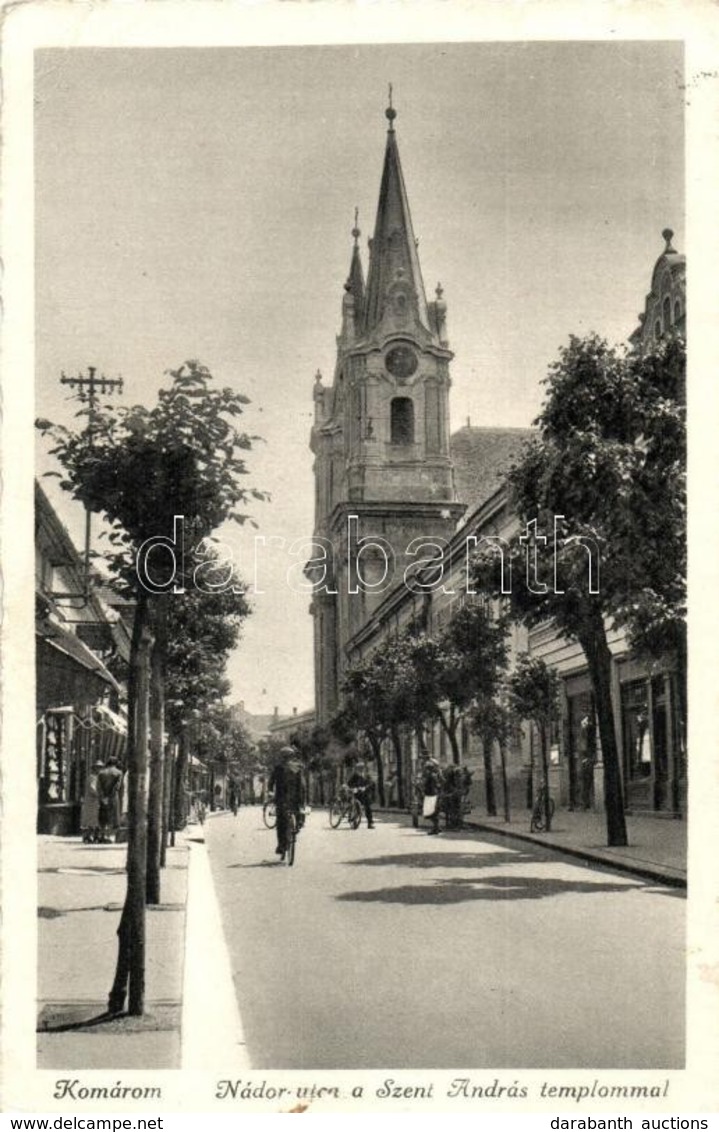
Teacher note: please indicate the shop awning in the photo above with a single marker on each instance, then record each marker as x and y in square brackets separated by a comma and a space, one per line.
[117, 722]
[72, 647]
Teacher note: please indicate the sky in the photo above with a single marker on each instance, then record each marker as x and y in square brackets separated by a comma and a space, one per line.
[198, 203]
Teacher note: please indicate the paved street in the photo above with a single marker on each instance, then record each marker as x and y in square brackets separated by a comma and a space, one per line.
[389, 948]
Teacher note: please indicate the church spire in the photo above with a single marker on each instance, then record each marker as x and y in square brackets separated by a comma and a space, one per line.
[353, 301]
[355, 280]
[393, 249]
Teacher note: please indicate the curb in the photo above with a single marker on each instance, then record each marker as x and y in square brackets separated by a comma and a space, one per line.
[645, 871]
[211, 1018]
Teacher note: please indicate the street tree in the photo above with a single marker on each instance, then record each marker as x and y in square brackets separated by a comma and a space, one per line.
[477, 635]
[455, 667]
[140, 467]
[364, 712]
[203, 628]
[534, 691]
[490, 718]
[595, 492]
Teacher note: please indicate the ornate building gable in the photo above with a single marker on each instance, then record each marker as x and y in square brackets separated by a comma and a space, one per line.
[665, 305]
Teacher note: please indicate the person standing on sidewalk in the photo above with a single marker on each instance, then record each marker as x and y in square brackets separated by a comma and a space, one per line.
[109, 786]
[90, 810]
[287, 785]
[363, 787]
[432, 786]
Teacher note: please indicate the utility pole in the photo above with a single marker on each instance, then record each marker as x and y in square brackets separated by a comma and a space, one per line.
[88, 389]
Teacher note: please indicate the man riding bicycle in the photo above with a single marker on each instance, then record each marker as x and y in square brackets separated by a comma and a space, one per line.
[287, 784]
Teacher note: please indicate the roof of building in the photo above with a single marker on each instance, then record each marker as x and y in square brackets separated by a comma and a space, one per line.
[482, 457]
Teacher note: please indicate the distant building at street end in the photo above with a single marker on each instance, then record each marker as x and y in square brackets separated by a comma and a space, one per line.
[285, 727]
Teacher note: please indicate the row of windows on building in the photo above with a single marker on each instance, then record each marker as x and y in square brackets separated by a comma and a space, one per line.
[665, 323]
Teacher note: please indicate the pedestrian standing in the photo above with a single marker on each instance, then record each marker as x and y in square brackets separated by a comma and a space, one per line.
[90, 810]
[109, 787]
[432, 786]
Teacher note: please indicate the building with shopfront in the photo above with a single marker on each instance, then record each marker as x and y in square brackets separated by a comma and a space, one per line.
[78, 640]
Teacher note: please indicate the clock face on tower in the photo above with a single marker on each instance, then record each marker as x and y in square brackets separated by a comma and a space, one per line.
[401, 362]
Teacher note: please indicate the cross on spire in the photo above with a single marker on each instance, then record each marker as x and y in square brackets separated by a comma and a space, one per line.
[390, 113]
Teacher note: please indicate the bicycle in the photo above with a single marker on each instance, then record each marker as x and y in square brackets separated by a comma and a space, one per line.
[269, 814]
[346, 805]
[539, 811]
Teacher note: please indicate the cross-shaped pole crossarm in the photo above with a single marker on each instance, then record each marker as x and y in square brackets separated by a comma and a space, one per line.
[89, 386]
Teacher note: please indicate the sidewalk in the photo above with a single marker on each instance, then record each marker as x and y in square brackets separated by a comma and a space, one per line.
[657, 847]
[81, 890]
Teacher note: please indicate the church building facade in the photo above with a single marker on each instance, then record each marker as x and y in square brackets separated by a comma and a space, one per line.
[383, 468]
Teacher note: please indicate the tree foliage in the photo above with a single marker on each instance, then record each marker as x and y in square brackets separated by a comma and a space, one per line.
[603, 482]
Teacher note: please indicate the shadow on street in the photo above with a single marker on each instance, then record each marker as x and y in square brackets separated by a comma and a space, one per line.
[459, 890]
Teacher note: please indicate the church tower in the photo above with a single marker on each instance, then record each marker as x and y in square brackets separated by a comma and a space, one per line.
[383, 472]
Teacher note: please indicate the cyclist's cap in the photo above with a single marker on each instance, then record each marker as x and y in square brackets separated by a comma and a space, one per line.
[286, 752]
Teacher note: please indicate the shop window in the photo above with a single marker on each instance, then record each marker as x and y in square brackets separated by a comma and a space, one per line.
[402, 420]
[637, 737]
[582, 749]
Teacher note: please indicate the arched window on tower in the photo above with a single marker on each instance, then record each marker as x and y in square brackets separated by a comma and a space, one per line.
[666, 314]
[402, 420]
[677, 311]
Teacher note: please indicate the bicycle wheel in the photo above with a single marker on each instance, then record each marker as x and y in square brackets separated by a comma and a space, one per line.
[355, 814]
[291, 839]
[269, 815]
[336, 813]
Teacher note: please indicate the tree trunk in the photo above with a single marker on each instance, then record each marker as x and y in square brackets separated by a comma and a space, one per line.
[450, 730]
[179, 814]
[489, 791]
[157, 752]
[422, 740]
[594, 643]
[505, 785]
[130, 970]
[679, 693]
[168, 772]
[543, 737]
[377, 756]
[397, 745]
